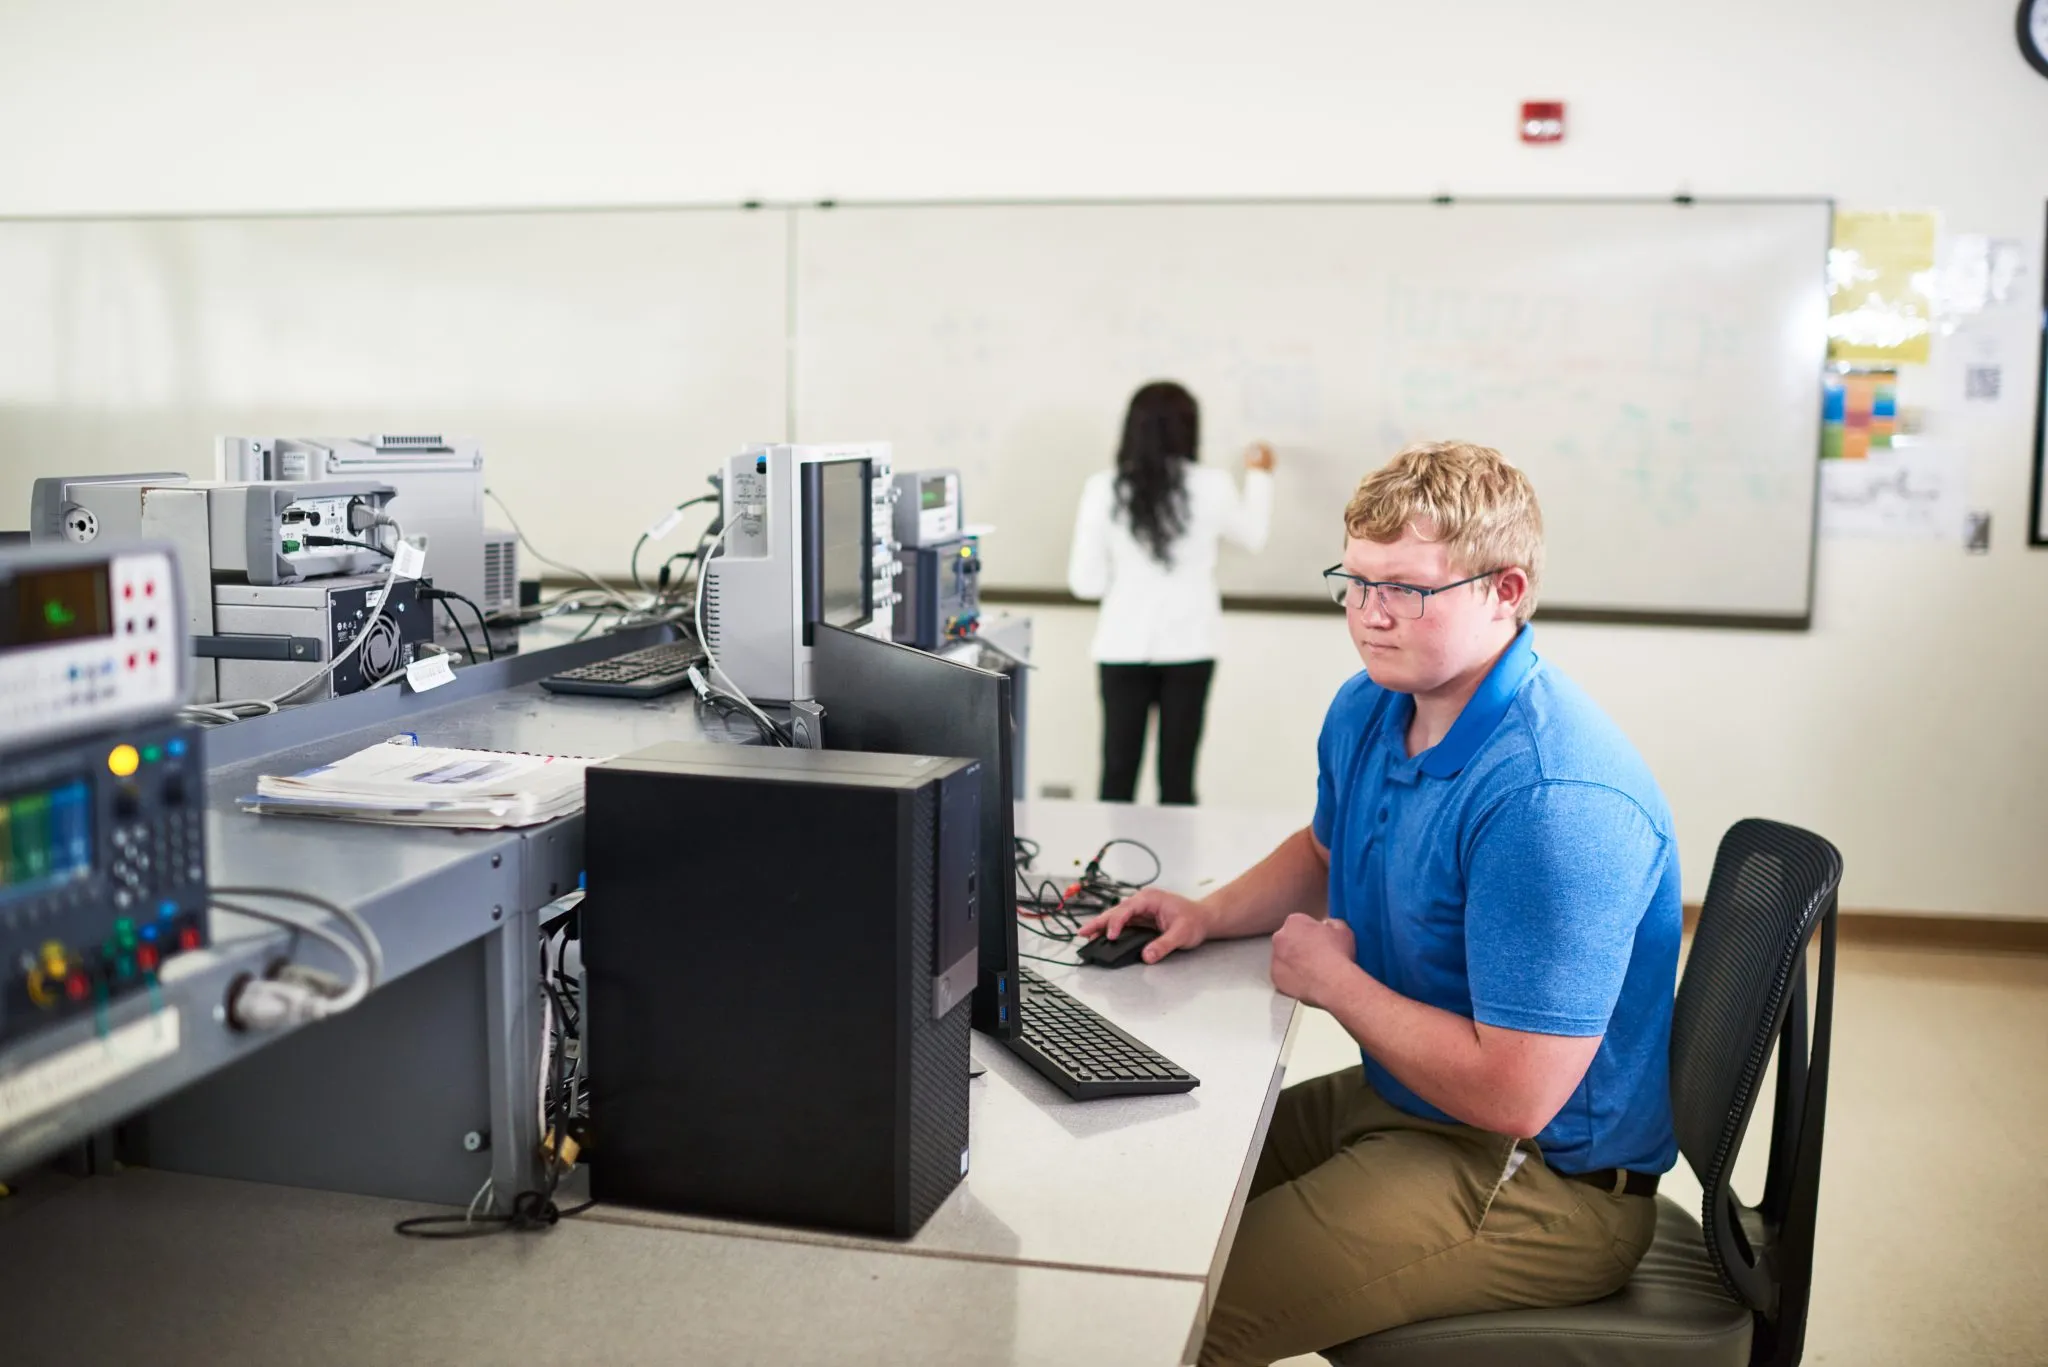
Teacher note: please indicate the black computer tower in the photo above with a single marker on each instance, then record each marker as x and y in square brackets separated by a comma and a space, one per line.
[779, 950]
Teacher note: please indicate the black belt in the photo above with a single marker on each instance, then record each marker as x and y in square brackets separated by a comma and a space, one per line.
[1617, 1181]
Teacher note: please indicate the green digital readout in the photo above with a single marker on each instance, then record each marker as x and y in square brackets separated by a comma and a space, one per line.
[41, 606]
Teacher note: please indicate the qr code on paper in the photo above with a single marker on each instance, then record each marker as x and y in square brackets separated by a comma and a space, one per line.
[1980, 381]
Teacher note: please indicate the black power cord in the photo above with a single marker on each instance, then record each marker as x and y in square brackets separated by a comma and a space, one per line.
[344, 541]
[468, 649]
[661, 578]
[447, 595]
[483, 628]
[532, 1211]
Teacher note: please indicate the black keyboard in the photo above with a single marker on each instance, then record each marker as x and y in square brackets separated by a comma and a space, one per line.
[645, 673]
[1083, 1054]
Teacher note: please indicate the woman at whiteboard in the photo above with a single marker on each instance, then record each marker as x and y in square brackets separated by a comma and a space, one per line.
[1145, 542]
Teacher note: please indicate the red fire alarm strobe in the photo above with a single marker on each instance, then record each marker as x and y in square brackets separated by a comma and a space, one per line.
[1543, 121]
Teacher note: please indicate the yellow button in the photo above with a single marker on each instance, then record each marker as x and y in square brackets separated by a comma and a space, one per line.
[122, 761]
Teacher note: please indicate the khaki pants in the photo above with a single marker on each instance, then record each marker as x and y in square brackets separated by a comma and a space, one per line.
[1362, 1217]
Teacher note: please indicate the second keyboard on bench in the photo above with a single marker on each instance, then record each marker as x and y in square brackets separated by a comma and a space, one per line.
[648, 672]
[1082, 1053]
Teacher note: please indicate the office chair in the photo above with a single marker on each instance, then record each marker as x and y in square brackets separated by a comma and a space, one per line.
[1736, 1293]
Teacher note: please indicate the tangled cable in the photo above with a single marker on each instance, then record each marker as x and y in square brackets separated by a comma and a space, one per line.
[1052, 912]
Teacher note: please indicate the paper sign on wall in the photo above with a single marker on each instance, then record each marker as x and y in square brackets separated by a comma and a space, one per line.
[1881, 286]
[1859, 412]
[1977, 273]
[1899, 493]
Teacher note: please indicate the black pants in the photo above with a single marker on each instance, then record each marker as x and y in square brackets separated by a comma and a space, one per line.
[1129, 693]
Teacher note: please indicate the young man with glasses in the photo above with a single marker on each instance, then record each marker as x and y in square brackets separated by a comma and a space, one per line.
[1488, 901]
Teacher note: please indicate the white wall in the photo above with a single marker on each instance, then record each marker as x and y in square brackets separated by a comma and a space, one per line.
[1908, 725]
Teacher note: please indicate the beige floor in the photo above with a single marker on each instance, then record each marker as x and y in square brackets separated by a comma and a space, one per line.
[1933, 1239]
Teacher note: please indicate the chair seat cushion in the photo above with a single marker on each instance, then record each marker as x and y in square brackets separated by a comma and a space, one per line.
[1673, 1311]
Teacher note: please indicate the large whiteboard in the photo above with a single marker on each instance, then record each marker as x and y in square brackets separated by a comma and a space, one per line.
[1655, 367]
[607, 361]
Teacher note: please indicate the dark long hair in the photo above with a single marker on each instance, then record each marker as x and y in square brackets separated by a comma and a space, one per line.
[1161, 433]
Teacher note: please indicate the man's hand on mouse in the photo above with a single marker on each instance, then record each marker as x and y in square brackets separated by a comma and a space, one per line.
[1310, 956]
[1183, 923]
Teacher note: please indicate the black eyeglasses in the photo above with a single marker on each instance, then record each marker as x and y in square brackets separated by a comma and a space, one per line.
[1403, 601]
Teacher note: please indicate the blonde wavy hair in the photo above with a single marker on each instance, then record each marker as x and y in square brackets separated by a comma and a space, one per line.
[1467, 497]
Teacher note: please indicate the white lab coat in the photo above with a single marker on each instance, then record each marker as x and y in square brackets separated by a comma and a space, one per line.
[1153, 614]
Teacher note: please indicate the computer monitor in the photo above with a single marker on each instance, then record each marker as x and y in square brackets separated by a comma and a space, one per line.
[880, 697]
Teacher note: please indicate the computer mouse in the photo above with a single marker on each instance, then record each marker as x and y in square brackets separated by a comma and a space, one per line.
[1104, 952]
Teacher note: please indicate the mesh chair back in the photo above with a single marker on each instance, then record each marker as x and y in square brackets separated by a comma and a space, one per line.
[1772, 884]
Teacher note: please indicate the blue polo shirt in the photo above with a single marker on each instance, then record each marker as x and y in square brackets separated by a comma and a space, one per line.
[1522, 873]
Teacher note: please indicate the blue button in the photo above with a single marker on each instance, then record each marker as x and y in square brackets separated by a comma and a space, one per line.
[176, 745]
[167, 910]
[74, 671]
[149, 931]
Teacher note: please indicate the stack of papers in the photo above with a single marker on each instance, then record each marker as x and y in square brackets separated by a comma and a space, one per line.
[403, 783]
